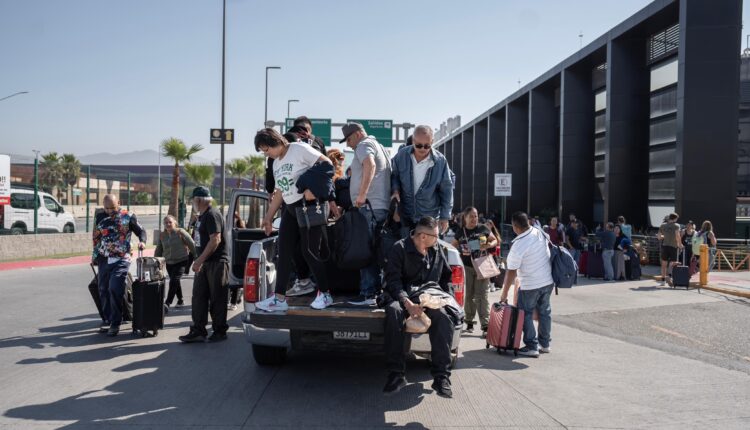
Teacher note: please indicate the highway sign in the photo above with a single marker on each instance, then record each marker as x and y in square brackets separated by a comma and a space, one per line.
[222, 135]
[4, 179]
[321, 127]
[381, 129]
[503, 185]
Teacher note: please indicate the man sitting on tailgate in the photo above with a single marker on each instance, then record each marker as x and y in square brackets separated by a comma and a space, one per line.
[414, 261]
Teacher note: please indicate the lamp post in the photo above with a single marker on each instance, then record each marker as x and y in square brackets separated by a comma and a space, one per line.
[158, 176]
[36, 189]
[223, 55]
[15, 94]
[288, 102]
[265, 115]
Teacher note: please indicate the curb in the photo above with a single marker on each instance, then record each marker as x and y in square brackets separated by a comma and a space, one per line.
[709, 287]
[53, 262]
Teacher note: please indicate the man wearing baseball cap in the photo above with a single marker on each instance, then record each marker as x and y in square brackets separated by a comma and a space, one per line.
[211, 270]
[370, 182]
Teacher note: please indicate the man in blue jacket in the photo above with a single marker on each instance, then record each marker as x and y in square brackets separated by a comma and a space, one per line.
[422, 182]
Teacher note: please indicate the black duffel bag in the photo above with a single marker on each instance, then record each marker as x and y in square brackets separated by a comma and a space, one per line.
[352, 240]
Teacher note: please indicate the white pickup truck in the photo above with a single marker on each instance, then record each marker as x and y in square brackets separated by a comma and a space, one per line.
[341, 327]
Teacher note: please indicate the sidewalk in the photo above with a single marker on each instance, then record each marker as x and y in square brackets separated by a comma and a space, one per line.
[725, 282]
[51, 262]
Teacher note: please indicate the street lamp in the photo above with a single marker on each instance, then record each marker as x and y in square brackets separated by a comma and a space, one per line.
[265, 116]
[16, 94]
[36, 190]
[288, 102]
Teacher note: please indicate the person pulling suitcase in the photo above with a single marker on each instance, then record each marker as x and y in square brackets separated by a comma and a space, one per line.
[111, 253]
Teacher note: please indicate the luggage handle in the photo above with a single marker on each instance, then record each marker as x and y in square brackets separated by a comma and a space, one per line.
[139, 263]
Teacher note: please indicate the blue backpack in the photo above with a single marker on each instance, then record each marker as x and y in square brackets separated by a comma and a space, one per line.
[564, 267]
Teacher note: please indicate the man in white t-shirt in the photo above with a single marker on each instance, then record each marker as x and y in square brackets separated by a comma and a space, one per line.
[529, 260]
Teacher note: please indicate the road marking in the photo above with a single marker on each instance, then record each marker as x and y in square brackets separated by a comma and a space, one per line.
[678, 335]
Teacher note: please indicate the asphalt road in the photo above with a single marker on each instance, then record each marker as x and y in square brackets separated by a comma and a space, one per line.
[609, 367]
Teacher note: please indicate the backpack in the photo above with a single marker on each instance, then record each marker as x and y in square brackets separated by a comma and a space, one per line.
[352, 241]
[564, 267]
[697, 241]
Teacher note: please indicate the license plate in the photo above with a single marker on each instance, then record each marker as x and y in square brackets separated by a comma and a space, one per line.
[351, 335]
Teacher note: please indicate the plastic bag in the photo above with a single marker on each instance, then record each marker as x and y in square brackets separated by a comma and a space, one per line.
[418, 324]
[432, 302]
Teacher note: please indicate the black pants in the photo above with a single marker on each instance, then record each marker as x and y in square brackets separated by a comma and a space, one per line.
[175, 272]
[210, 295]
[292, 237]
[397, 341]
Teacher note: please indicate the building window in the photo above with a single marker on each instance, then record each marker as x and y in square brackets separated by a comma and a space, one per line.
[664, 75]
[600, 101]
[664, 102]
[662, 160]
[663, 43]
[661, 188]
[600, 123]
[663, 131]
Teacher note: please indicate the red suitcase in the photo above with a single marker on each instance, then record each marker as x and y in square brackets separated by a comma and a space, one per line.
[583, 265]
[505, 327]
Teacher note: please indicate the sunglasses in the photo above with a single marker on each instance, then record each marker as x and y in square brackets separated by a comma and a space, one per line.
[422, 146]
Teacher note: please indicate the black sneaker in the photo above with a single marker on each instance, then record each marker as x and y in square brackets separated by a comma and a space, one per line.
[104, 327]
[469, 328]
[217, 337]
[193, 336]
[442, 386]
[180, 302]
[394, 383]
[363, 301]
[112, 332]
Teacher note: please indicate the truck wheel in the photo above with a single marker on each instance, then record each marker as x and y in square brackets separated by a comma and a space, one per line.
[17, 230]
[269, 355]
[68, 228]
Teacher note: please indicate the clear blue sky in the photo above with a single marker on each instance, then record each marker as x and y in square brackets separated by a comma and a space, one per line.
[118, 76]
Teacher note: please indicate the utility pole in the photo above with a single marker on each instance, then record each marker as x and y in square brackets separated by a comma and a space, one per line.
[36, 191]
[265, 114]
[223, 56]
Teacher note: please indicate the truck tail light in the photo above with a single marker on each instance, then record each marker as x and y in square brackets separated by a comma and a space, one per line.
[457, 279]
[250, 283]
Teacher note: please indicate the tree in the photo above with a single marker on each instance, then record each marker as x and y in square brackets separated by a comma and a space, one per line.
[176, 149]
[238, 168]
[200, 174]
[142, 198]
[257, 167]
[50, 172]
[71, 171]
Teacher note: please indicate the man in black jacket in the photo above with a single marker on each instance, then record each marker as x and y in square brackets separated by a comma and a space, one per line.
[412, 262]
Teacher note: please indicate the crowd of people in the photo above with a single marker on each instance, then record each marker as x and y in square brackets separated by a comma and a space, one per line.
[413, 189]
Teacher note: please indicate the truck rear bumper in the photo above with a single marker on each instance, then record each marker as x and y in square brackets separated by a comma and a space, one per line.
[278, 337]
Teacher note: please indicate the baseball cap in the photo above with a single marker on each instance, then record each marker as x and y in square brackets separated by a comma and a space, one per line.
[200, 192]
[350, 128]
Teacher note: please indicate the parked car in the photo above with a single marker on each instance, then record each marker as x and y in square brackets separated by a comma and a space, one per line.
[18, 216]
[341, 327]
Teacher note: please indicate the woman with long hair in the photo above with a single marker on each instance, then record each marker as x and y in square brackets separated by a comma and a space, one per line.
[709, 238]
[176, 246]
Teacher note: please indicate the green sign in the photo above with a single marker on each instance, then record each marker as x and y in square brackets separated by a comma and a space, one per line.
[320, 128]
[381, 129]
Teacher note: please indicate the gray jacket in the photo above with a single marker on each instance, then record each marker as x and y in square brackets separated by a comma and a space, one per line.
[174, 247]
[434, 197]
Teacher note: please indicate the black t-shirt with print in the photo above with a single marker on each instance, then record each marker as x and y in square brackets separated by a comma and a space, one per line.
[208, 223]
[469, 241]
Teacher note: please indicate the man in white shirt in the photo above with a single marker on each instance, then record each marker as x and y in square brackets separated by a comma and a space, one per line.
[529, 260]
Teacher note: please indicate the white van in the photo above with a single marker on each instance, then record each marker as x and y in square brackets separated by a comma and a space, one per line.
[18, 216]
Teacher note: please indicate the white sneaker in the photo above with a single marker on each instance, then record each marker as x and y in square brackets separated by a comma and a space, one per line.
[231, 307]
[544, 350]
[322, 301]
[272, 304]
[301, 287]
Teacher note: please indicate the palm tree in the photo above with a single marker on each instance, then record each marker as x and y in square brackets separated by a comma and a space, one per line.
[176, 149]
[71, 171]
[238, 168]
[257, 167]
[50, 173]
[200, 174]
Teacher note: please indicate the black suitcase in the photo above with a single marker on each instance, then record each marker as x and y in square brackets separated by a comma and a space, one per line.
[148, 306]
[595, 268]
[681, 274]
[127, 308]
[633, 266]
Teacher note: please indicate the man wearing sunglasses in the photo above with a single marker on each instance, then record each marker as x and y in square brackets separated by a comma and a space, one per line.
[422, 182]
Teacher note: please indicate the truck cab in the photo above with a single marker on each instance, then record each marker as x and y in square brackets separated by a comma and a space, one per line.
[341, 327]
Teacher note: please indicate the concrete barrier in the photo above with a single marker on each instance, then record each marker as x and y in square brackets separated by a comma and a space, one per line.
[43, 245]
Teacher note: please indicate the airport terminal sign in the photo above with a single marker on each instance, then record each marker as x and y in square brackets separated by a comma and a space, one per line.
[320, 127]
[381, 129]
[503, 184]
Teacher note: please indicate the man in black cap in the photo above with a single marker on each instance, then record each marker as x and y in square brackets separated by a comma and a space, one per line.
[211, 270]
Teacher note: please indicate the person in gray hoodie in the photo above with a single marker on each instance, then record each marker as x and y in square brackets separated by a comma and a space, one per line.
[175, 245]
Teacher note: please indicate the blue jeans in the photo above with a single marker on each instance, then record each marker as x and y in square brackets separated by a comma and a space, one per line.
[576, 253]
[370, 276]
[538, 299]
[112, 278]
[609, 272]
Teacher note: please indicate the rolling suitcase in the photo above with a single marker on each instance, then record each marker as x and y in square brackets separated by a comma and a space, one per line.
[595, 268]
[583, 263]
[681, 275]
[148, 303]
[505, 326]
[633, 266]
[127, 308]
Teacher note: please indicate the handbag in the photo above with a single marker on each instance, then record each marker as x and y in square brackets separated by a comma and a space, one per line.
[484, 264]
[314, 216]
